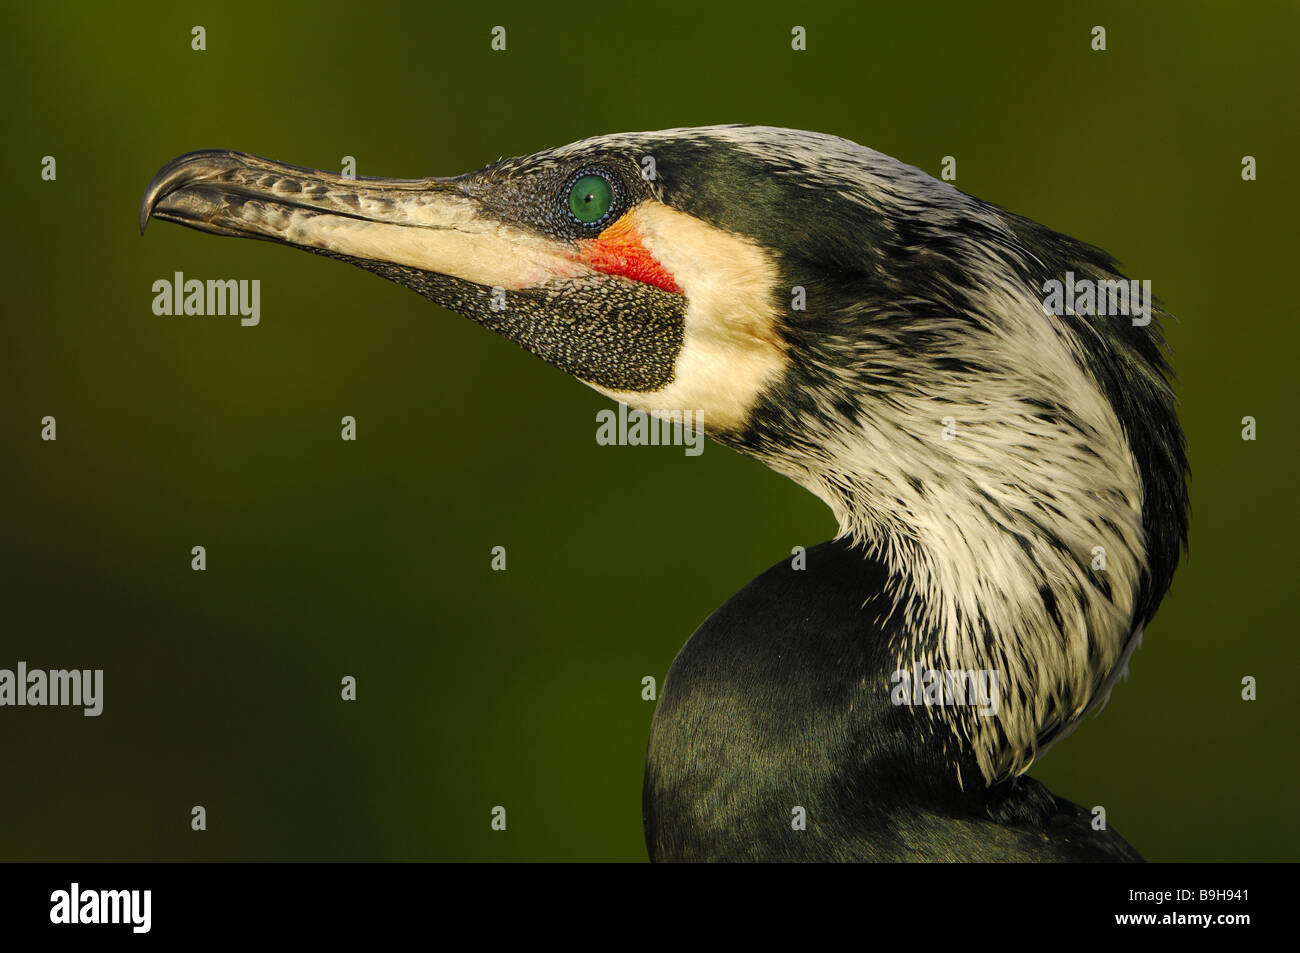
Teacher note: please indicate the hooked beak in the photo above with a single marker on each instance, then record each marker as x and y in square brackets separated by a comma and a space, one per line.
[432, 224]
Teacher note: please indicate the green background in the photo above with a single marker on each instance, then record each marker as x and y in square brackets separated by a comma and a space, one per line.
[371, 559]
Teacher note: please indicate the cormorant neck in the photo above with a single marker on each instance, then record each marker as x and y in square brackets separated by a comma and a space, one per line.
[996, 490]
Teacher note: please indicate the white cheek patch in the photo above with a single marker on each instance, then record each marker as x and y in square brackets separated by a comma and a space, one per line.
[730, 352]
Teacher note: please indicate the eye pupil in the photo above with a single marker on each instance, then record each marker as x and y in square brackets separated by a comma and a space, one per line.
[590, 199]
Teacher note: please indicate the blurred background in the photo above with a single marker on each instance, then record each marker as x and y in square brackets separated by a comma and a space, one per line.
[372, 559]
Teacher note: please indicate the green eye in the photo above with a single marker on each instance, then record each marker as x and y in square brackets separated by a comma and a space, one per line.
[590, 199]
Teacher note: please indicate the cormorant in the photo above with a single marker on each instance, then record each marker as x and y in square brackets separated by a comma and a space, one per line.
[1009, 477]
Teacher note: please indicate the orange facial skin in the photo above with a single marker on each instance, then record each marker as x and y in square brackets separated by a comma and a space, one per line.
[618, 251]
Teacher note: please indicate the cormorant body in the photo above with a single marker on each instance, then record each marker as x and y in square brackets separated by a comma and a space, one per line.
[984, 404]
[773, 705]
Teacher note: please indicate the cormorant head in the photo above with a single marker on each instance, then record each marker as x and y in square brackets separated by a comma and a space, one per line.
[871, 332]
